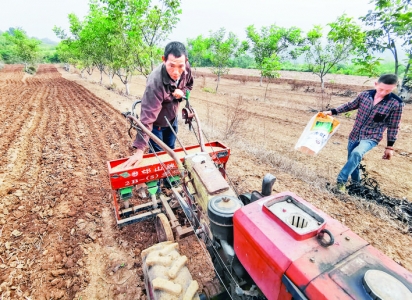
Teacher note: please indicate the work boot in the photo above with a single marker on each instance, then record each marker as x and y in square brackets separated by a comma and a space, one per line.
[341, 188]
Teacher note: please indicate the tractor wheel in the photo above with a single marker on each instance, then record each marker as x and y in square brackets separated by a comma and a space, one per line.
[166, 275]
[163, 229]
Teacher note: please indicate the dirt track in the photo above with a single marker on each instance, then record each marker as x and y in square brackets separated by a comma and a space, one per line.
[57, 234]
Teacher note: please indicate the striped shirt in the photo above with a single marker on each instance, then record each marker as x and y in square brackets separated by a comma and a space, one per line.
[372, 120]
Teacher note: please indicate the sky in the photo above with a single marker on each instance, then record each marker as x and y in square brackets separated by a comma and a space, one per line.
[37, 17]
[201, 16]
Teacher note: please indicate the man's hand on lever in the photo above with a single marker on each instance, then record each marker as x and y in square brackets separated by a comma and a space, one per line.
[178, 94]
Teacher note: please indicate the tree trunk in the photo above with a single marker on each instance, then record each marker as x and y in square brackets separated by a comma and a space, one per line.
[264, 99]
[405, 77]
[218, 80]
[101, 77]
[261, 78]
[110, 78]
[395, 54]
[404, 90]
[127, 87]
[323, 89]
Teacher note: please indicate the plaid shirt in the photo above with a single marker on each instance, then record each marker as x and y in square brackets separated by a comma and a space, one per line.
[371, 121]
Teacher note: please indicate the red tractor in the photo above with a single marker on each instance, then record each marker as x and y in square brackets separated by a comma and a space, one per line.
[262, 246]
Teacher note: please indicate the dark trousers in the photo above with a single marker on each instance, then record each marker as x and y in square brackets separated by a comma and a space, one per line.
[166, 135]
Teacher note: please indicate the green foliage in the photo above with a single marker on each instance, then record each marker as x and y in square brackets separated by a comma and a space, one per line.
[48, 53]
[221, 51]
[288, 65]
[314, 34]
[198, 51]
[119, 36]
[343, 40]
[390, 28]
[200, 54]
[271, 40]
[7, 53]
[209, 90]
[243, 61]
[270, 66]
[51, 57]
[342, 68]
[45, 51]
[23, 48]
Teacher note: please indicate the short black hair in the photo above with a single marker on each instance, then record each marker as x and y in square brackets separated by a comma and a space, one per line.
[388, 79]
[175, 48]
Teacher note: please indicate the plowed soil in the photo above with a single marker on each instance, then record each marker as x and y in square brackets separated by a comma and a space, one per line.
[58, 238]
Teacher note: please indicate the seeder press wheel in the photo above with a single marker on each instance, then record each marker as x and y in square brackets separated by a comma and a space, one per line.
[163, 229]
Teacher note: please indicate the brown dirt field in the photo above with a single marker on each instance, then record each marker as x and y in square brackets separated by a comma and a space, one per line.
[58, 238]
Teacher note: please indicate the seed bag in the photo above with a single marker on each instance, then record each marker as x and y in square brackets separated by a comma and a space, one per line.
[317, 133]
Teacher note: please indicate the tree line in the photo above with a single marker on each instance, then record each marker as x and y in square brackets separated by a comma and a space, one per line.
[118, 37]
[17, 47]
[125, 38]
[387, 28]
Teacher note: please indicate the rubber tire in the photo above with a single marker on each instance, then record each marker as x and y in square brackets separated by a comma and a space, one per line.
[163, 229]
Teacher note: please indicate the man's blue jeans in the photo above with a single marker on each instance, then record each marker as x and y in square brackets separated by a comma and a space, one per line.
[356, 150]
[166, 135]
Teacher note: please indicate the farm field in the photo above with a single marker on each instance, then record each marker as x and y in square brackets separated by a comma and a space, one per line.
[58, 238]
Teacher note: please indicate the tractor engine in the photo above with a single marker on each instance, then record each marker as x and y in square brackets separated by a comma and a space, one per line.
[281, 247]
